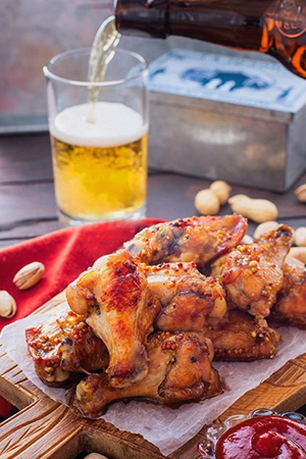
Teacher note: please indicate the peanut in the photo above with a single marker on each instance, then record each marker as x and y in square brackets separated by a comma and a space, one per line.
[264, 228]
[207, 202]
[300, 192]
[258, 210]
[300, 236]
[299, 253]
[221, 189]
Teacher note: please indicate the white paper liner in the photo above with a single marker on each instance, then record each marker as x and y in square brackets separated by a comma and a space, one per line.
[165, 427]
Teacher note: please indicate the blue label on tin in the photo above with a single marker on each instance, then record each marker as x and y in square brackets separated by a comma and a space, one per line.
[222, 78]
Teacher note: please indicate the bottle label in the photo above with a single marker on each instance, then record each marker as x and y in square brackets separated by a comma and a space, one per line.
[290, 17]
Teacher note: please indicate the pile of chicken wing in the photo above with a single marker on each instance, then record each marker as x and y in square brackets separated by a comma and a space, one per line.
[148, 320]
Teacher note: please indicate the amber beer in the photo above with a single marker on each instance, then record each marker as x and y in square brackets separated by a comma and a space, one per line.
[100, 169]
[276, 27]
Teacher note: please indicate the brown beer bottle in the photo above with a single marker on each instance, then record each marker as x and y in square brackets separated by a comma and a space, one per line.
[276, 27]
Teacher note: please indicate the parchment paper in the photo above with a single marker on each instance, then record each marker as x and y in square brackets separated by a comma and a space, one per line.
[165, 427]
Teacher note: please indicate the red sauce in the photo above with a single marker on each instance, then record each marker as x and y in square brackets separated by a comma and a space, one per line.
[263, 437]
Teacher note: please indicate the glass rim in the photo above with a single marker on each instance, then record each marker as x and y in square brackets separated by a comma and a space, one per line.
[53, 76]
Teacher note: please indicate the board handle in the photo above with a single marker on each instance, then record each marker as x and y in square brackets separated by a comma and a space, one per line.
[43, 429]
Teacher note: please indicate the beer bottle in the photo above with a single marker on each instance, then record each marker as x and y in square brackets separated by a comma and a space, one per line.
[276, 27]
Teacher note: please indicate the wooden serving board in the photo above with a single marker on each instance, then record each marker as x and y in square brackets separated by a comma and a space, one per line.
[47, 429]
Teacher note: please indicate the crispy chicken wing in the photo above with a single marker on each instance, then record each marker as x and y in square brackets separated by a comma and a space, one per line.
[189, 299]
[252, 274]
[197, 239]
[180, 369]
[63, 347]
[121, 309]
[243, 338]
[290, 307]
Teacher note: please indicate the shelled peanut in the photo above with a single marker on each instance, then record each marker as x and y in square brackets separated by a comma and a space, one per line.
[206, 202]
[299, 253]
[300, 237]
[300, 192]
[265, 228]
[258, 210]
[222, 190]
[209, 200]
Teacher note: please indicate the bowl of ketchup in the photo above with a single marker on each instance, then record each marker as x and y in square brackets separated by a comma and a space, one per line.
[263, 435]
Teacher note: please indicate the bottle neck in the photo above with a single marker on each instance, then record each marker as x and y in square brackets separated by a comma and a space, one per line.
[142, 17]
[234, 23]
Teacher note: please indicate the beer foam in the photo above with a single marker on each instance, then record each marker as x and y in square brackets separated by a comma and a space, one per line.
[116, 124]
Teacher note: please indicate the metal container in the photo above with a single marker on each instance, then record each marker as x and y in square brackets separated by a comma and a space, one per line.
[227, 118]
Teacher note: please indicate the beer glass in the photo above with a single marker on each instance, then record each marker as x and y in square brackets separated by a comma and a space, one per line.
[99, 159]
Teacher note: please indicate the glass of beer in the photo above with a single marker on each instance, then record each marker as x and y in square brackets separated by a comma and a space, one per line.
[99, 144]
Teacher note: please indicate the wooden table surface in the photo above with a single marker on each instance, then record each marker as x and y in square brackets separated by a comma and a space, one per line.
[27, 205]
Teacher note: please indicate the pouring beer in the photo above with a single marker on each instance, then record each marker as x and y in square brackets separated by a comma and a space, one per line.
[98, 122]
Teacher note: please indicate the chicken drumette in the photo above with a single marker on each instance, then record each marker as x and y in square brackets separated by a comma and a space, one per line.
[179, 370]
[243, 338]
[197, 239]
[189, 300]
[252, 274]
[290, 307]
[193, 302]
[121, 309]
[63, 347]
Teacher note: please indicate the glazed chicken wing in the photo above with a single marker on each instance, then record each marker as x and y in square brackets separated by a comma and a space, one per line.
[197, 239]
[243, 338]
[290, 307]
[63, 347]
[180, 369]
[120, 308]
[252, 274]
[189, 300]
[192, 302]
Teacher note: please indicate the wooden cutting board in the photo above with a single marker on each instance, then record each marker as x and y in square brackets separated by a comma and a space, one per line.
[47, 429]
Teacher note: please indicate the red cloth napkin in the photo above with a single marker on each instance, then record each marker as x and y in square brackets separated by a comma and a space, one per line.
[65, 254]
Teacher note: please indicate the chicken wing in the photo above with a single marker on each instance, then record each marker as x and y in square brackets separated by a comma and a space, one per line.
[243, 338]
[197, 239]
[180, 369]
[290, 307]
[63, 347]
[189, 300]
[252, 274]
[121, 309]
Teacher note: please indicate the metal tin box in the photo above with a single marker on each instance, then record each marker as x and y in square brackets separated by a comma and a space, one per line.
[227, 118]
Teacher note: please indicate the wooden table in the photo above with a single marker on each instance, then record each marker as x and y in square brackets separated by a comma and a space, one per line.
[27, 205]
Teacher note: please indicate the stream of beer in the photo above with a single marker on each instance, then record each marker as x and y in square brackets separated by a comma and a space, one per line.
[102, 52]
